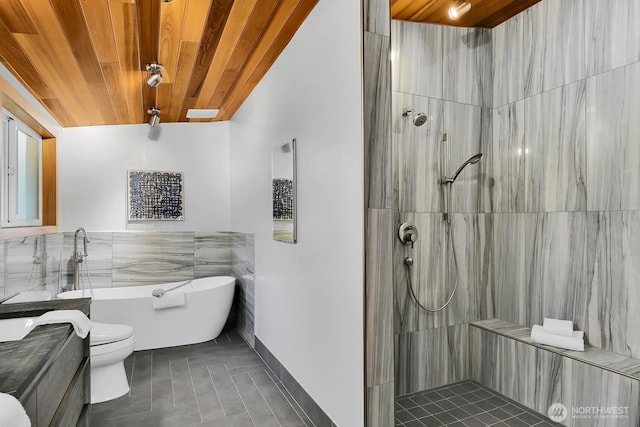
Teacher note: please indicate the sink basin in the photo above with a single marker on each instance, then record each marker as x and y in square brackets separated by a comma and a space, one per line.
[15, 329]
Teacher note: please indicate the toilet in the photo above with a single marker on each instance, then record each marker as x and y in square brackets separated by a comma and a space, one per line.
[110, 345]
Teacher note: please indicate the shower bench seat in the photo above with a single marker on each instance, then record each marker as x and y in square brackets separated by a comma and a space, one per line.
[544, 378]
[603, 359]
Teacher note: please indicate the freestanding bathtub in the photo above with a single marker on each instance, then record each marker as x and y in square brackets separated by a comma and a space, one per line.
[207, 305]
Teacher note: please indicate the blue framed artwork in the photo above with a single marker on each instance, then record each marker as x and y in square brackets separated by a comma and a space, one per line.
[155, 196]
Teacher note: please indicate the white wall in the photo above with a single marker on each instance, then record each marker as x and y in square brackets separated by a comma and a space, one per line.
[309, 295]
[92, 173]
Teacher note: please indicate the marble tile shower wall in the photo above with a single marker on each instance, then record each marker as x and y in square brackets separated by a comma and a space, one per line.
[379, 363]
[564, 163]
[131, 259]
[544, 225]
[446, 73]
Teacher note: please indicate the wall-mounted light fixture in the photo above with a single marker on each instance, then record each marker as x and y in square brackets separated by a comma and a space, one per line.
[154, 118]
[459, 8]
[155, 74]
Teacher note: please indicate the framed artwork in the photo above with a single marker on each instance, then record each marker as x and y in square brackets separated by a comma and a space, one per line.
[155, 196]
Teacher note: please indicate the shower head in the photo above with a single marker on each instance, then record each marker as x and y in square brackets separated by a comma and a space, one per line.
[418, 118]
[473, 159]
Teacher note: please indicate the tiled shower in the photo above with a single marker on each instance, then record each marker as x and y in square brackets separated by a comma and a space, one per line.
[543, 226]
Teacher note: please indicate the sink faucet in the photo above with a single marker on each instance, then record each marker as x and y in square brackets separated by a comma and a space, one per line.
[78, 257]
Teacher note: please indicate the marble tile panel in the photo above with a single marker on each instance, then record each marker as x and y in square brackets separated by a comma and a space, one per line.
[377, 17]
[54, 262]
[142, 258]
[485, 179]
[533, 28]
[556, 267]
[246, 308]
[507, 48]
[613, 108]
[380, 401]
[588, 387]
[524, 373]
[416, 150]
[506, 295]
[24, 269]
[212, 256]
[431, 358]
[377, 121]
[505, 160]
[463, 125]
[563, 60]
[434, 253]
[615, 253]
[467, 75]
[379, 265]
[416, 52]
[554, 150]
[242, 267]
[612, 34]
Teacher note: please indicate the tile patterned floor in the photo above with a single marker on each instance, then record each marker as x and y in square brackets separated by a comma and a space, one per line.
[464, 404]
[219, 383]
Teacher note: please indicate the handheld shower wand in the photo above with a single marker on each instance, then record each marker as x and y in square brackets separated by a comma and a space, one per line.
[448, 182]
[473, 159]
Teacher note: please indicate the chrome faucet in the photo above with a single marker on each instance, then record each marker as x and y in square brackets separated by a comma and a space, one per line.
[77, 257]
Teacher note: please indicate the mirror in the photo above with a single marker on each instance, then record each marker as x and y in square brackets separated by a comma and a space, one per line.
[283, 173]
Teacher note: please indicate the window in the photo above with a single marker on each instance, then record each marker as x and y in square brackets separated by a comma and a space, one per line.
[22, 176]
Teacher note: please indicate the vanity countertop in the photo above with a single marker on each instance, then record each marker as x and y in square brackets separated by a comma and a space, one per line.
[23, 362]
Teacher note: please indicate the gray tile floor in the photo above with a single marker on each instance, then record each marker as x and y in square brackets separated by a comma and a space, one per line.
[466, 403]
[219, 383]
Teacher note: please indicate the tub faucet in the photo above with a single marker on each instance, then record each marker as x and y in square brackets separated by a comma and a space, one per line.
[78, 257]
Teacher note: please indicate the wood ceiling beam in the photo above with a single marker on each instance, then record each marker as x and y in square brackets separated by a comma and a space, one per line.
[280, 31]
[240, 13]
[253, 31]
[123, 27]
[148, 29]
[71, 18]
[216, 20]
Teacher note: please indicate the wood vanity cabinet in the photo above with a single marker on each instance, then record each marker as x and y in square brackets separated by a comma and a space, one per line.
[49, 372]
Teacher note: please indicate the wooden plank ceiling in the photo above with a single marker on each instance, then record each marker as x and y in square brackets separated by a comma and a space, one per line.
[85, 59]
[483, 13]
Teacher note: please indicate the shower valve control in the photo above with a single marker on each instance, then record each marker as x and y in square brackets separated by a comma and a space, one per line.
[408, 233]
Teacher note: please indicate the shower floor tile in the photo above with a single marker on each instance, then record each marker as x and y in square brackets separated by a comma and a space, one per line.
[464, 404]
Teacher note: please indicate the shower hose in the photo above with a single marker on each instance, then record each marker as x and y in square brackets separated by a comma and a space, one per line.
[451, 241]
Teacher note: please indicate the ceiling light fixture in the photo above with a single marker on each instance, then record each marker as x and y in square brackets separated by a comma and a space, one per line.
[459, 8]
[154, 120]
[155, 74]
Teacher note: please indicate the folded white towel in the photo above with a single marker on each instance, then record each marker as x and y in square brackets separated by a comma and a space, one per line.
[168, 300]
[558, 327]
[574, 342]
[12, 413]
[81, 323]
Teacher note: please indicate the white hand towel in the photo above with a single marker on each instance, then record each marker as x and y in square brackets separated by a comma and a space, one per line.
[575, 342]
[81, 323]
[558, 327]
[12, 413]
[168, 300]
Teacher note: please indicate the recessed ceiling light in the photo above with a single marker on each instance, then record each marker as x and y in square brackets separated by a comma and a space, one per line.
[459, 8]
[197, 113]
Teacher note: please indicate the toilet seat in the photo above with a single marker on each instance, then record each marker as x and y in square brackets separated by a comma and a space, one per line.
[107, 333]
